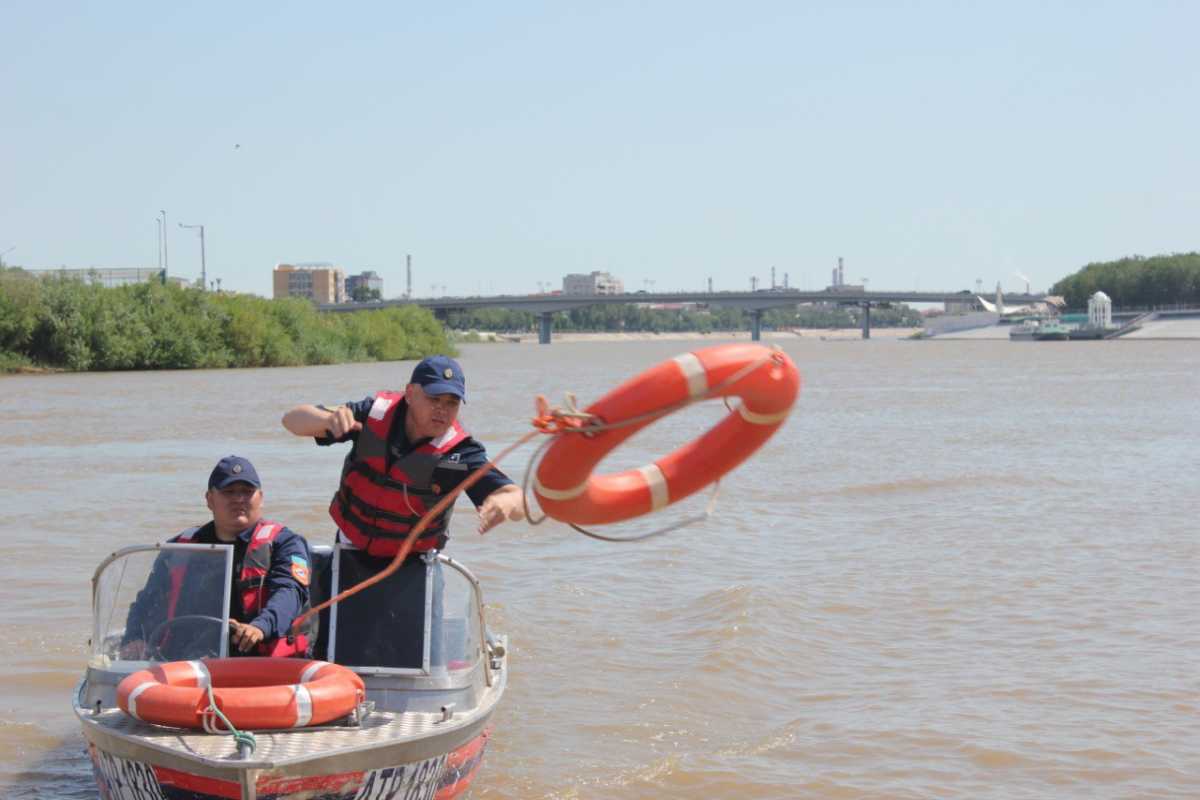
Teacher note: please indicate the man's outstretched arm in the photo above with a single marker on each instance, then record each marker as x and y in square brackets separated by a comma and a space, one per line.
[310, 420]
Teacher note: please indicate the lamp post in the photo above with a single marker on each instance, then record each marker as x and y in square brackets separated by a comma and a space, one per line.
[203, 273]
[4, 253]
[158, 227]
[166, 259]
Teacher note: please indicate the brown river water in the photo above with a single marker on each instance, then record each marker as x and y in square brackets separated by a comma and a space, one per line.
[960, 570]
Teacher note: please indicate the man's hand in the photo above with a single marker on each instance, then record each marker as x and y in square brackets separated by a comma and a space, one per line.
[341, 422]
[310, 420]
[244, 635]
[503, 504]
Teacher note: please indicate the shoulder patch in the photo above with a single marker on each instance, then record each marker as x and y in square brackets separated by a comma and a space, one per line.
[300, 570]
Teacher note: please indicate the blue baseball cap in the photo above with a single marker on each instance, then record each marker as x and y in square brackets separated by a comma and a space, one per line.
[233, 469]
[440, 375]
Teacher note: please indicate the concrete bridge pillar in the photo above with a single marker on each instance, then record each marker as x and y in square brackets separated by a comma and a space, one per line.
[544, 327]
[756, 324]
[866, 307]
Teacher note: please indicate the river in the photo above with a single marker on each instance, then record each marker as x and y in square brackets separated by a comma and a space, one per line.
[960, 570]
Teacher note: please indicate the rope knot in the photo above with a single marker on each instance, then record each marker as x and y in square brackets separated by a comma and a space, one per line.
[554, 420]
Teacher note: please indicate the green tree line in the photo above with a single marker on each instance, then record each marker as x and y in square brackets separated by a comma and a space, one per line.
[1136, 282]
[75, 325]
[633, 318]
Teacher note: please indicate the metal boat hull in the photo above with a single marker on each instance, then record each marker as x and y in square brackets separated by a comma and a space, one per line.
[438, 778]
[419, 733]
[406, 755]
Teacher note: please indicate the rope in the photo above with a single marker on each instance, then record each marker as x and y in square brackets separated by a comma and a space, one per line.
[208, 720]
[552, 422]
[406, 546]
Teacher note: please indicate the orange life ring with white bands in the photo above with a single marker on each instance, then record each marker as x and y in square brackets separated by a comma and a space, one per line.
[255, 693]
[564, 484]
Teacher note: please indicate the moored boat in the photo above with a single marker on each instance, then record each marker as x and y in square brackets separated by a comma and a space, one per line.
[1052, 331]
[1024, 330]
[418, 641]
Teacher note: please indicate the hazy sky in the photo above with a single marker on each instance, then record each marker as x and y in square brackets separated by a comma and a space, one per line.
[504, 145]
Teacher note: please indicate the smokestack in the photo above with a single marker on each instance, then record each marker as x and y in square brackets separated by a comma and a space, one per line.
[785, 280]
[841, 279]
[710, 284]
[408, 271]
[772, 277]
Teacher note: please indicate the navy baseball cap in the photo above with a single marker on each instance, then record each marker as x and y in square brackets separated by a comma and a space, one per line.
[232, 469]
[440, 375]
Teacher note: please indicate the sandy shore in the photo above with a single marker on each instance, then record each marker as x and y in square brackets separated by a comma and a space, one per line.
[836, 334]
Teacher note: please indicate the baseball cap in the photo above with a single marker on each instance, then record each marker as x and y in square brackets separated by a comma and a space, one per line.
[440, 375]
[233, 469]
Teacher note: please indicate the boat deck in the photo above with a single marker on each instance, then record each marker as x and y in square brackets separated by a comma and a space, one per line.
[274, 748]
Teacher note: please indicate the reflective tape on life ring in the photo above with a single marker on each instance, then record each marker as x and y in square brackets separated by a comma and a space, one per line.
[254, 693]
[568, 491]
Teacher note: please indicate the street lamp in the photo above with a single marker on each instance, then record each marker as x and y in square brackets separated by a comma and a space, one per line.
[166, 258]
[4, 253]
[203, 274]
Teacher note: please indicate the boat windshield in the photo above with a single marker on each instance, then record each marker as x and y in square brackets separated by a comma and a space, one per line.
[161, 603]
[426, 618]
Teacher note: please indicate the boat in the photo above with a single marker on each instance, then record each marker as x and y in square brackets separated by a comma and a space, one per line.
[1024, 330]
[1052, 331]
[433, 678]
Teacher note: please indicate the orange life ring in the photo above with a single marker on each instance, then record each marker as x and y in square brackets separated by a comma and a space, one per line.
[254, 693]
[565, 486]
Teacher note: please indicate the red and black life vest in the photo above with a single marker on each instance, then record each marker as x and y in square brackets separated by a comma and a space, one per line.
[376, 505]
[251, 587]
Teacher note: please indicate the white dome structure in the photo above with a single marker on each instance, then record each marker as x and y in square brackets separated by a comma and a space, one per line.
[1099, 311]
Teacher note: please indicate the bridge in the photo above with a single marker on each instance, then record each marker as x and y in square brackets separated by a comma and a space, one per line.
[547, 305]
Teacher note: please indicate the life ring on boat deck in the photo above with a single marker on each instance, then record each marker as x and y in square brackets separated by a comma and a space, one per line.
[765, 379]
[257, 693]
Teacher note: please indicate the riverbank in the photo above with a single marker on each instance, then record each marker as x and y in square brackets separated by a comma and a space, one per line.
[64, 324]
[826, 334]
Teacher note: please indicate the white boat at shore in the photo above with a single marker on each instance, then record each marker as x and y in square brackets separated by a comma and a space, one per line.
[432, 682]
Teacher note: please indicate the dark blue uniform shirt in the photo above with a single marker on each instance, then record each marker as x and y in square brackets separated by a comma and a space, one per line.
[468, 451]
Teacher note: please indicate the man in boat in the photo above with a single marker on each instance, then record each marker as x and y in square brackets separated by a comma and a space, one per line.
[270, 575]
[407, 450]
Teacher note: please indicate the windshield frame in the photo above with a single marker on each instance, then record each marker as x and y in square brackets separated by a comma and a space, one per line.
[158, 547]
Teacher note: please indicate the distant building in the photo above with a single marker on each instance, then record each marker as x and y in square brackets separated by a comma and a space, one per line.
[368, 279]
[110, 276]
[592, 283]
[320, 282]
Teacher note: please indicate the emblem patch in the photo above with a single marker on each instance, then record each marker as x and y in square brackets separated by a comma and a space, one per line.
[300, 570]
[448, 373]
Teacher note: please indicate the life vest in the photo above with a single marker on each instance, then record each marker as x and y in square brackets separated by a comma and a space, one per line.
[251, 588]
[376, 505]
